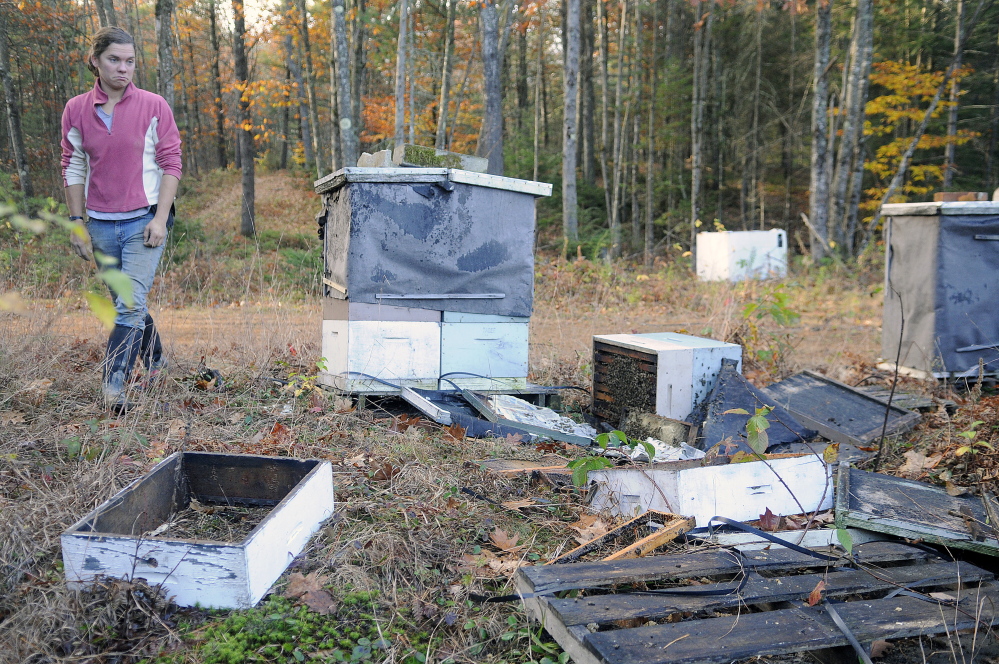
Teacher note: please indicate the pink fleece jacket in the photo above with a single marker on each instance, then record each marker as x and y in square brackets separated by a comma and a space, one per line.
[121, 168]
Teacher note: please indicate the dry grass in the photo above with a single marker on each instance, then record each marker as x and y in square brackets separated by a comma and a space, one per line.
[403, 527]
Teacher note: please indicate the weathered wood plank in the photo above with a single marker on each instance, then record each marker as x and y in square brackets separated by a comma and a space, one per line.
[142, 505]
[243, 478]
[911, 509]
[717, 640]
[552, 578]
[604, 609]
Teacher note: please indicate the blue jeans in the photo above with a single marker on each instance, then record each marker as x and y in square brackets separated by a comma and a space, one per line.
[122, 241]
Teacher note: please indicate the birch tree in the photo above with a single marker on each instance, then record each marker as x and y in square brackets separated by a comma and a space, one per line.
[702, 50]
[310, 87]
[955, 91]
[220, 148]
[819, 179]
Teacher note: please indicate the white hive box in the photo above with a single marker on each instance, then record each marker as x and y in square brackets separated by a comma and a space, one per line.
[740, 255]
[116, 538]
[664, 372]
[739, 491]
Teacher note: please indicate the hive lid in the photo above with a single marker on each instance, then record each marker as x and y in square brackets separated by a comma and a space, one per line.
[427, 175]
[955, 208]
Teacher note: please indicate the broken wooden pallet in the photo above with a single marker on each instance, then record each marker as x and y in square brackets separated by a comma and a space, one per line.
[740, 624]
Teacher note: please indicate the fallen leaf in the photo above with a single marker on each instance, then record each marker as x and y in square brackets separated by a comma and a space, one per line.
[401, 423]
[955, 490]
[11, 417]
[769, 521]
[916, 463]
[518, 504]
[514, 439]
[37, 389]
[455, 431]
[590, 527]
[879, 648]
[815, 596]
[357, 462]
[550, 446]
[319, 601]
[831, 453]
[299, 584]
[504, 541]
[386, 472]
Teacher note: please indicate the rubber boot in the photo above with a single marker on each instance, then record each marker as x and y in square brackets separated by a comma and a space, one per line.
[123, 349]
[151, 352]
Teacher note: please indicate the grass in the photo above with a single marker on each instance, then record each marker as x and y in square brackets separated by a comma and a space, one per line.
[406, 546]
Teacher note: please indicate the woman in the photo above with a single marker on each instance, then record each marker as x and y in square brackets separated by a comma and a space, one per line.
[121, 165]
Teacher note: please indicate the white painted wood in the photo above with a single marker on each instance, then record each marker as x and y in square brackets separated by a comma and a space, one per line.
[461, 317]
[739, 491]
[275, 542]
[426, 407]
[687, 366]
[815, 537]
[200, 572]
[740, 255]
[389, 350]
[934, 209]
[502, 384]
[486, 349]
[424, 175]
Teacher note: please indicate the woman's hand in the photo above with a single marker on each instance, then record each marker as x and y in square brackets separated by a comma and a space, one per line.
[80, 239]
[155, 232]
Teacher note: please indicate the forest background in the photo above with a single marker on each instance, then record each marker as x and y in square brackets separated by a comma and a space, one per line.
[654, 118]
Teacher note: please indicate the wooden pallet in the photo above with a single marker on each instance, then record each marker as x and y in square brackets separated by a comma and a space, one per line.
[768, 616]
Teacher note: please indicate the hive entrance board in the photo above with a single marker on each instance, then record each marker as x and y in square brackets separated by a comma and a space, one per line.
[740, 624]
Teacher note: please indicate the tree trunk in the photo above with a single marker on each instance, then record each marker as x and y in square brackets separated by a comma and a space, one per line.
[446, 71]
[296, 73]
[495, 32]
[105, 13]
[410, 81]
[341, 75]
[570, 222]
[191, 153]
[955, 88]
[164, 52]
[586, 96]
[847, 173]
[702, 48]
[990, 157]
[194, 105]
[604, 104]
[615, 211]
[310, 88]
[245, 134]
[357, 69]
[13, 110]
[217, 89]
[649, 159]
[819, 180]
[400, 75]
[756, 202]
[539, 73]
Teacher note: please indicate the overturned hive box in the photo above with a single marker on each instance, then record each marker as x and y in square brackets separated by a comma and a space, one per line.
[119, 538]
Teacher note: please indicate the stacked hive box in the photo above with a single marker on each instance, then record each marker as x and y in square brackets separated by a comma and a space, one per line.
[428, 273]
[941, 302]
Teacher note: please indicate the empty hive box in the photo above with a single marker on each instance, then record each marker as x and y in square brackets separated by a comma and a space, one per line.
[663, 373]
[739, 255]
[428, 272]
[129, 536]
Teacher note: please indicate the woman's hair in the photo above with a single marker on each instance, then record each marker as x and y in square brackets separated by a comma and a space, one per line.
[102, 40]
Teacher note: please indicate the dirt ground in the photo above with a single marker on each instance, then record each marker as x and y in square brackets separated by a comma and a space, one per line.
[820, 341]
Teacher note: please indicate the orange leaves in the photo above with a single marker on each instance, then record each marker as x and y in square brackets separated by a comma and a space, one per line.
[815, 596]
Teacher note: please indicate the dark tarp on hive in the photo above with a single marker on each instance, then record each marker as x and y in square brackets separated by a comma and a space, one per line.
[733, 391]
[418, 238]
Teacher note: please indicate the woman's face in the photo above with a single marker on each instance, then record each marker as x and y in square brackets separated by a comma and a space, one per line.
[115, 66]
